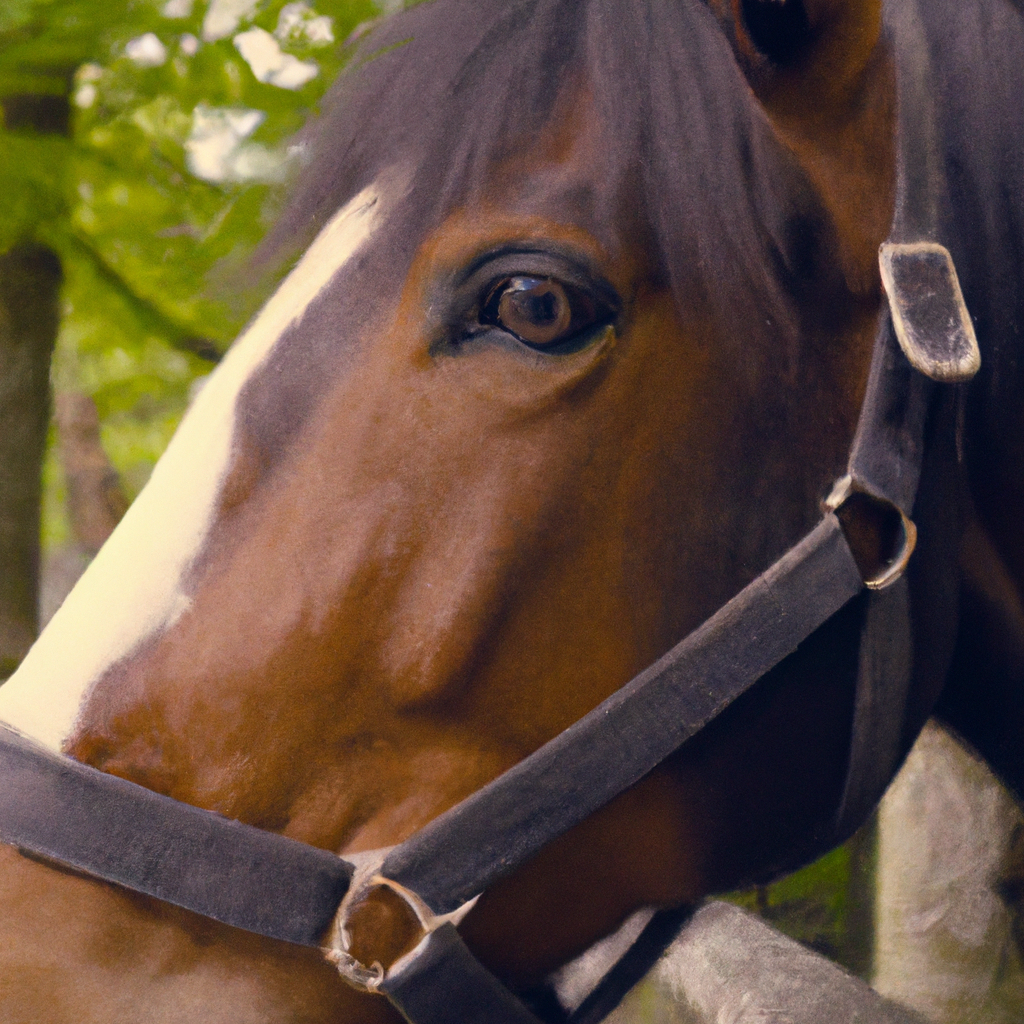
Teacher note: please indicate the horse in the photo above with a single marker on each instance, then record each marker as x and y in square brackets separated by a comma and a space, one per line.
[581, 314]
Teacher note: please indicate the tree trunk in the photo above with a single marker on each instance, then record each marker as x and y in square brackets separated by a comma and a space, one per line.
[30, 277]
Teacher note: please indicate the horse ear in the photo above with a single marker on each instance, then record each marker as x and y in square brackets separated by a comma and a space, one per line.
[827, 41]
[823, 74]
[779, 30]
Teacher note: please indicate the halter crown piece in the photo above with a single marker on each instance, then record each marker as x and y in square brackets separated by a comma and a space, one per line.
[56, 808]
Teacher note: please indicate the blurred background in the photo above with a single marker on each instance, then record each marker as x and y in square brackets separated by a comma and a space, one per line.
[143, 153]
[144, 150]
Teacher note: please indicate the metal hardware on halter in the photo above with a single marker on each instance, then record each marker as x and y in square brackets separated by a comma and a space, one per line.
[366, 979]
[339, 939]
[931, 321]
[845, 489]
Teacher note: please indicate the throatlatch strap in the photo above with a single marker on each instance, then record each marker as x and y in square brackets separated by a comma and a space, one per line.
[886, 461]
[58, 808]
[935, 334]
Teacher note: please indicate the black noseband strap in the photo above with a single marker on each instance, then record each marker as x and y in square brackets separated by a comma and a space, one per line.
[57, 808]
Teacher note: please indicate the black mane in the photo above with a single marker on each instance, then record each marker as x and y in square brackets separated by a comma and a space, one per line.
[450, 89]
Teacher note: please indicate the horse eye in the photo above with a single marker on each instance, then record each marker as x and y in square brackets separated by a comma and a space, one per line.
[541, 312]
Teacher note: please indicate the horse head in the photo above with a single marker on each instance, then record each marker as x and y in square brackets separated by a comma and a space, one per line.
[572, 350]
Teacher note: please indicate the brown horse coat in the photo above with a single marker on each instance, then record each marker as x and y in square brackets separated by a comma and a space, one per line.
[396, 546]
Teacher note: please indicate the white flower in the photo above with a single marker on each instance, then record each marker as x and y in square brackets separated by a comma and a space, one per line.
[262, 53]
[189, 44]
[85, 95]
[224, 16]
[298, 22]
[177, 9]
[147, 51]
[215, 150]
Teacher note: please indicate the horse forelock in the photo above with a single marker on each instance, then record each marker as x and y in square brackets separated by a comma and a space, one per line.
[456, 91]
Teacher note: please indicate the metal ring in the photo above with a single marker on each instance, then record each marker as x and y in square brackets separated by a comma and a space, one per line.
[356, 973]
[843, 490]
[366, 979]
[899, 563]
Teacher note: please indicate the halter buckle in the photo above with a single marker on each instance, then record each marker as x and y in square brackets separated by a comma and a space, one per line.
[929, 317]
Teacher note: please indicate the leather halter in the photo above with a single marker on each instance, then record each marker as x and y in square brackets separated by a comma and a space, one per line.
[59, 809]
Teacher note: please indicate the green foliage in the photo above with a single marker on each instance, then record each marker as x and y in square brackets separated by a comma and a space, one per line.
[33, 195]
[810, 905]
[826, 905]
[168, 175]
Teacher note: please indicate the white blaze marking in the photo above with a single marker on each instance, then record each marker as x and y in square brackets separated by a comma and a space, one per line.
[134, 586]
